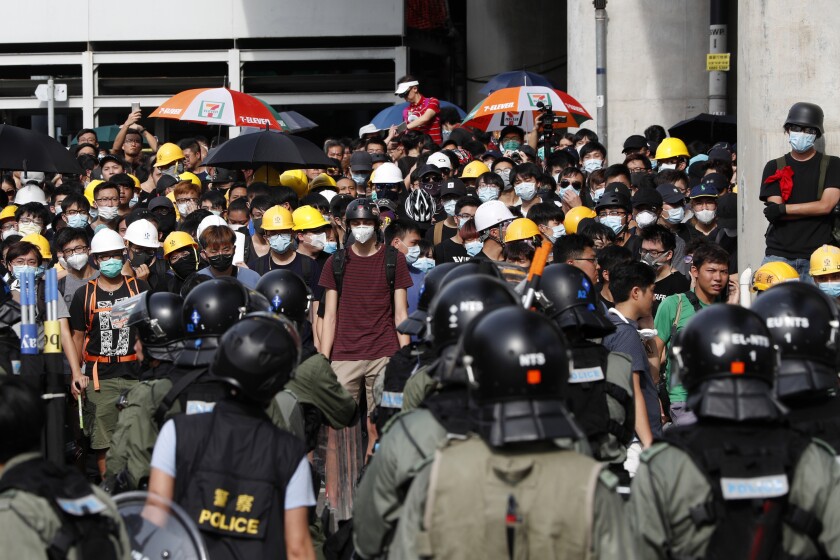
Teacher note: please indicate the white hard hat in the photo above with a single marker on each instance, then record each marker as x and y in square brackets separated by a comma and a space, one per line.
[27, 177]
[328, 194]
[491, 213]
[367, 129]
[387, 173]
[105, 241]
[440, 160]
[209, 221]
[30, 193]
[142, 233]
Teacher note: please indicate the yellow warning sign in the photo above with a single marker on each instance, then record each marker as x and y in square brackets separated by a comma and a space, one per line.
[718, 62]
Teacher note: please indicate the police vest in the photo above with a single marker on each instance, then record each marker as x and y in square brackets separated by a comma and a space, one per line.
[749, 469]
[234, 492]
[483, 504]
[820, 420]
[600, 395]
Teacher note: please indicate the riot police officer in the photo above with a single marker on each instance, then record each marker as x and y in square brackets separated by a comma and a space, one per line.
[739, 483]
[245, 482]
[519, 486]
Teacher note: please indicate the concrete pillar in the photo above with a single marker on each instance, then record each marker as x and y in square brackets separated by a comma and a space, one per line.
[656, 63]
[786, 53]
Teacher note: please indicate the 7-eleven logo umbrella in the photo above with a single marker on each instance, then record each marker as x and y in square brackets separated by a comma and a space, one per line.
[220, 106]
[519, 105]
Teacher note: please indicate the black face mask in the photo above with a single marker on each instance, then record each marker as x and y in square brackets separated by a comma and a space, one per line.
[139, 259]
[167, 222]
[185, 266]
[221, 262]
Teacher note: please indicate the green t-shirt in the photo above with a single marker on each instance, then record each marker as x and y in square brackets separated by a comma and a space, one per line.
[663, 322]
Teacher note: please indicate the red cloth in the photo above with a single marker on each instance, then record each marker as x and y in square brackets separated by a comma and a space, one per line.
[785, 178]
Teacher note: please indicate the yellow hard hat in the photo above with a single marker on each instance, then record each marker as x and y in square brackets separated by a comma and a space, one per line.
[135, 179]
[277, 218]
[574, 217]
[825, 260]
[191, 177]
[773, 273]
[168, 154]
[474, 170]
[41, 242]
[268, 175]
[296, 180]
[8, 212]
[177, 240]
[671, 147]
[90, 188]
[323, 180]
[521, 228]
[171, 196]
[307, 217]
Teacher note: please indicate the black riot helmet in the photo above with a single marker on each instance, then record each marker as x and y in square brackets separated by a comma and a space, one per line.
[258, 356]
[727, 362]
[210, 309]
[361, 209]
[806, 115]
[461, 301]
[471, 269]
[157, 317]
[569, 297]
[415, 324]
[287, 293]
[519, 363]
[804, 324]
[614, 199]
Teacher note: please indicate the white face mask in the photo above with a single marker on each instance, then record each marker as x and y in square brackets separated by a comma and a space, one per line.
[705, 216]
[10, 232]
[645, 218]
[133, 202]
[29, 229]
[107, 213]
[318, 240]
[362, 233]
[77, 262]
[183, 208]
[591, 165]
[664, 166]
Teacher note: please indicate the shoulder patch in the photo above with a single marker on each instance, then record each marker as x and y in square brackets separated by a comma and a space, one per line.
[608, 479]
[652, 451]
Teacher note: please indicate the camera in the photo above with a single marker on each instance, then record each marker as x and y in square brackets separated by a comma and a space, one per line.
[548, 124]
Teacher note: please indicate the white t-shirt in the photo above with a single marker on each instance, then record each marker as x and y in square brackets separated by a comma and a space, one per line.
[299, 492]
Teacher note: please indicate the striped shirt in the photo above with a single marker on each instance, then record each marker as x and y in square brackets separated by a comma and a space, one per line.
[417, 110]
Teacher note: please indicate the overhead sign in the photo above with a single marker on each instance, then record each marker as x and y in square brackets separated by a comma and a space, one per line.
[717, 62]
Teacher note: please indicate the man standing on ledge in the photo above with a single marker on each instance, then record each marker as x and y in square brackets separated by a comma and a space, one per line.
[422, 113]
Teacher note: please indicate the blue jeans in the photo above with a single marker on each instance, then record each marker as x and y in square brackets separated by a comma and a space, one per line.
[802, 266]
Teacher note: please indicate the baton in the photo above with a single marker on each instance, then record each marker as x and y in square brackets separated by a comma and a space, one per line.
[81, 416]
[532, 283]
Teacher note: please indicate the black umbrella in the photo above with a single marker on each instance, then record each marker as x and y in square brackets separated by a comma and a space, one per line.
[707, 128]
[23, 149]
[280, 150]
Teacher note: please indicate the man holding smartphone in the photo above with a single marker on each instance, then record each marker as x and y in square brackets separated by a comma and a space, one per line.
[129, 141]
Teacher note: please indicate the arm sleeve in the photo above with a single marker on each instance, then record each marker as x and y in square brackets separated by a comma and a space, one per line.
[63, 312]
[327, 280]
[163, 457]
[773, 189]
[376, 501]
[77, 310]
[402, 279]
[832, 176]
[299, 491]
[433, 104]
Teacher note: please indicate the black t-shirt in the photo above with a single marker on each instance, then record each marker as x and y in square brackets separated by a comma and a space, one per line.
[446, 233]
[675, 283]
[103, 339]
[306, 267]
[797, 239]
[449, 251]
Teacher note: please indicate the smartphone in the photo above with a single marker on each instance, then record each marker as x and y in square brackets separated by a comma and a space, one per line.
[402, 127]
[135, 106]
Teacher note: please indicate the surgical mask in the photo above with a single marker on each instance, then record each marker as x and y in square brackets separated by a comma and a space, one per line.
[216, 212]
[705, 216]
[183, 208]
[412, 255]
[77, 262]
[330, 247]
[62, 262]
[359, 179]
[526, 190]
[666, 166]
[564, 190]
[424, 264]
[449, 207]
[649, 260]
[221, 262]
[280, 242]
[462, 221]
[612, 222]
[10, 232]
[505, 175]
[318, 240]
[77, 221]
[108, 213]
[28, 229]
[486, 194]
[111, 268]
[185, 266]
[19, 269]
[802, 141]
[473, 247]
[675, 215]
[510, 145]
[557, 232]
[596, 196]
[57, 210]
[93, 213]
[591, 165]
[133, 202]
[445, 134]
[831, 289]
[362, 233]
[645, 218]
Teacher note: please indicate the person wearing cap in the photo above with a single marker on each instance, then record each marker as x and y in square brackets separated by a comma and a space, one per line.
[164, 211]
[491, 221]
[221, 179]
[636, 144]
[647, 207]
[471, 172]
[361, 166]
[614, 210]
[704, 205]
[110, 165]
[673, 211]
[451, 191]
[442, 162]
[108, 351]
[422, 113]
[800, 191]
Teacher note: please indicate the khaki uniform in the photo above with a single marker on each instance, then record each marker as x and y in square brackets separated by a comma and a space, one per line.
[669, 484]
[418, 387]
[28, 523]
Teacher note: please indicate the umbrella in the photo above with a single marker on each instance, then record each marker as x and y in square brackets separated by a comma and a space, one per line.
[514, 79]
[707, 128]
[24, 149]
[393, 115]
[282, 151]
[290, 121]
[518, 106]
[220, 106]
[105, 135]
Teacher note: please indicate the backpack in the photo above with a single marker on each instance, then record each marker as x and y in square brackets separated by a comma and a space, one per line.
[341, 257]
[438, 234]
[662, 386]
[738, 463]
[825, 161]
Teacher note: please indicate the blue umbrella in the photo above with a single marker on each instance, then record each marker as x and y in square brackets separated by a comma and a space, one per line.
[394, 114]
[516, 78]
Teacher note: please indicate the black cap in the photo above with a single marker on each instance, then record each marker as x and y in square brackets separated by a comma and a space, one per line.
[717, 180]
[379, 158]
[646, 196]
[428, 169]
[720, 154]
[161, 202]
[166, 180]
[670, 194]
[618, 186]
[453, 187]
[111, 157]
[727, 211]
[360, 161]
[634, 142]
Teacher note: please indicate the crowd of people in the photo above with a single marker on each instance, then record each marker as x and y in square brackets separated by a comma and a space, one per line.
[327, 362]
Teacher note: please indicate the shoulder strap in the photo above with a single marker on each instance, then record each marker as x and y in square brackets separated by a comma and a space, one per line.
[339, 262]
[824, 161]
[177, 388]
[780, 163]
[90, 303]
[133, 288]
[391, 271]
[438, 235]
[695, 303]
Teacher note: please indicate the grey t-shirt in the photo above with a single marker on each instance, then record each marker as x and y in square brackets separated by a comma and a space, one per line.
[71, 284]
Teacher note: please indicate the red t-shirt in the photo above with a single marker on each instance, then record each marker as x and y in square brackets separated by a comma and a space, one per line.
[365, 327]
[417, 110]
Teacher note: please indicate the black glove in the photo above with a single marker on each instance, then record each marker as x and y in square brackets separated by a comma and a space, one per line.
[774, 212]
